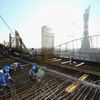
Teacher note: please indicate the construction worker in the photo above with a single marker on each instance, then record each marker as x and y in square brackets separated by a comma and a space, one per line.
[32, 72]
[5, 80]
[36, 73]
[40, 73]
[6, 68]
[7, 75]
[2, 79]
[16, 66]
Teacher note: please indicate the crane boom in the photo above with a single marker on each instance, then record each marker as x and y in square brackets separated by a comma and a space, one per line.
[6, 24]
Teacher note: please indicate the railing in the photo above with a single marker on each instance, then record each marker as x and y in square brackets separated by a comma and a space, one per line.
[74, 49]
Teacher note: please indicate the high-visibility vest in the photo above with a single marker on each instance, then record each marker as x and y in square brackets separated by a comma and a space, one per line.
[40, 73]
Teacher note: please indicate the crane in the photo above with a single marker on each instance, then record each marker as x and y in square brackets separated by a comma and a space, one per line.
[6, 24]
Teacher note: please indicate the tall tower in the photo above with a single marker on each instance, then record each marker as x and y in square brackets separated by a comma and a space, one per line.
[85, 41]
[47, 42]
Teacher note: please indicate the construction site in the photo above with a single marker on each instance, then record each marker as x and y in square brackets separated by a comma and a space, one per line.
[72, 69]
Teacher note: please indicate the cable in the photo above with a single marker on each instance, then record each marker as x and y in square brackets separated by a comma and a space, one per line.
[6, 24]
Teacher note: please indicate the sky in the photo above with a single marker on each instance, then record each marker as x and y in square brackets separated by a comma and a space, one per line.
[65, 17]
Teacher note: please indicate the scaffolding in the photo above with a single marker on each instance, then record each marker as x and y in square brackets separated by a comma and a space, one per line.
[47, 42]
[17, 43]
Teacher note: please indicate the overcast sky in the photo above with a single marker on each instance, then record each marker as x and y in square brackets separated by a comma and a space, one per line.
[65, 17]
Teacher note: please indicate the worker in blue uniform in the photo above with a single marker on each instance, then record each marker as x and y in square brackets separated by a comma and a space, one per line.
[2, 79]
[9, 69]
[5, 79]
[32, 72]
[6, 68]
[15, 66]
[36, 73]
[7, 75]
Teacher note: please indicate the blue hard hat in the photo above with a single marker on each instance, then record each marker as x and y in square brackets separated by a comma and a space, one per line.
[33, 68]
[6, 68]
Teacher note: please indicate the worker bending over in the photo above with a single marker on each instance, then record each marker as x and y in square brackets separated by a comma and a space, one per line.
[2, 79]
[36, 73]
[7, 73]
[15, 66]
[5, 77]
